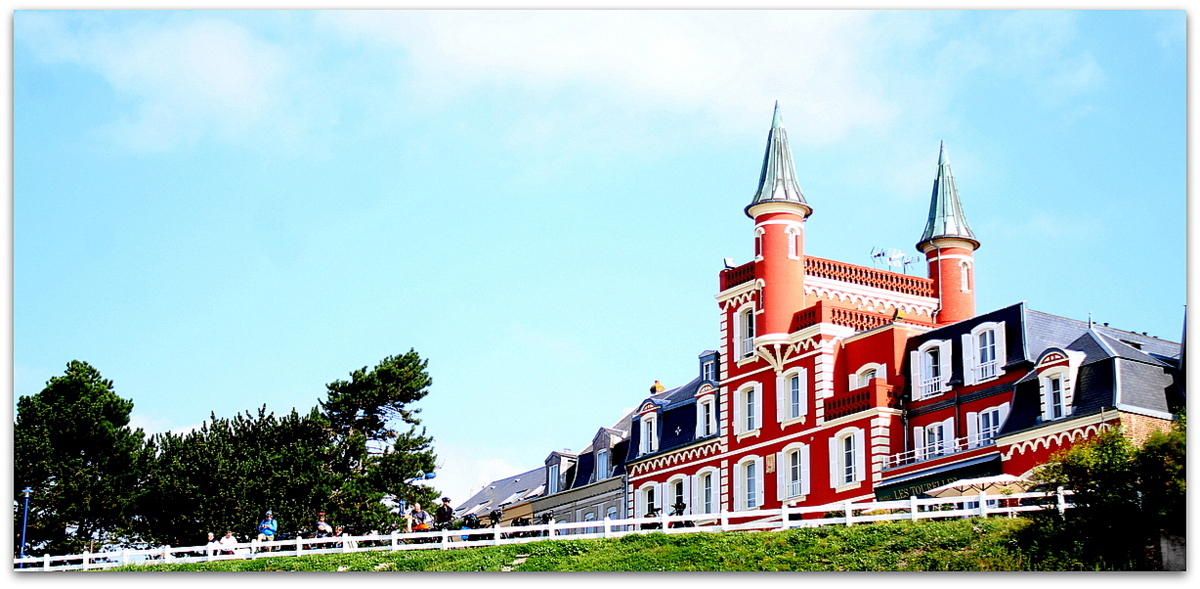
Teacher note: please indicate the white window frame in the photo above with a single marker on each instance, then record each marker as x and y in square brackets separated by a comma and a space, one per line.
[706, 422]
[684, 485]
[758, 244]
[714, 490]
[793, 233]
[977, 434]
[743, 332]
[749, 393]
[975, 370]
[859, 379]
[964, 269]
[1066, 392]
[649, 494]
[649, 437]
[786, 410]
[924, 384]
[552, 475]
[794, 480]
[708, 370]
[744, 499]
[838, 468]
[603, 466]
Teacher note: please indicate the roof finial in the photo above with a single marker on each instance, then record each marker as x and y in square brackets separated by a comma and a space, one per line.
[777, 182]
[946, 218]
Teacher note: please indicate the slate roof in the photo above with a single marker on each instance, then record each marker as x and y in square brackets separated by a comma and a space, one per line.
[1112, 374]
[677, 422]
[499, 490]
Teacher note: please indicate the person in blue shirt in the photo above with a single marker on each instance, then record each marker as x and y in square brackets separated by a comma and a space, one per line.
[267, 527]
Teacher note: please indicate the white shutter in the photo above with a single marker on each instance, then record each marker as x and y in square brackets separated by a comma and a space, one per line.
[804, 470]
[970, 358]
[762, 482]
[738, 424]
[738, 476]
[860, 455]
[946, 348]
[972, 429]
[687, 494]
[834, 459]
[1003, 413]
[914, 367]
[803, 374]
[853, 384]
[782, 472]
[781, 398]
[1001, 353]
[918, 441]
[948, 434]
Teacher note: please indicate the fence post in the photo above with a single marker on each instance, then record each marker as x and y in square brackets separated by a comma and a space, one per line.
[46, 562]
[395, 540]
[550, 531]
[299, 546]
[1062, 503]
[784, 522]
[982, 505]
[124, 556]
[663, 517]
[445, 538]
[724, 519]
[607, 526]
[849, 513]
[912, 507]
[87, 558]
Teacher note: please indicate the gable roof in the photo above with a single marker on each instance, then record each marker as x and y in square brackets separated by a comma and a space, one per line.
[493, 494]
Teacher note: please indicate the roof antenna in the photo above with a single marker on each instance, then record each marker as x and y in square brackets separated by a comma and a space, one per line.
[1090, 324]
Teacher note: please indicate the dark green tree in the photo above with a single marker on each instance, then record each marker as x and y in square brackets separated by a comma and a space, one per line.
[374, 429]
[226, 474]
[73, 446]
[1124, 496]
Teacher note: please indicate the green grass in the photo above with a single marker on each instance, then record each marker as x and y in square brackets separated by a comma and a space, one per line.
[990, 544]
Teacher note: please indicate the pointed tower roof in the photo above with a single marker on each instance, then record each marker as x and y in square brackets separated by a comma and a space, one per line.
[777, 183]
[946, 218]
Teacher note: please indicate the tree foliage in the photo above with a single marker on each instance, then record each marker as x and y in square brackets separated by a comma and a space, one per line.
[1125, 495]
[73, 446]
[374, 430]
[226, 474]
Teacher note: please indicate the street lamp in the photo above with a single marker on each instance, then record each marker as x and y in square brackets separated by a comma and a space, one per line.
[25, 520]
[421, 476]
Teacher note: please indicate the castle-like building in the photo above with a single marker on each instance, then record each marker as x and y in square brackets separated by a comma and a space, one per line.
[834, 382]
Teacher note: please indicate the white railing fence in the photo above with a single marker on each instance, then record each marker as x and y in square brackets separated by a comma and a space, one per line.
[946, 448]
[848, 513]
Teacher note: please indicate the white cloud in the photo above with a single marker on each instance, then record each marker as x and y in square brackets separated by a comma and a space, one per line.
[186, 79]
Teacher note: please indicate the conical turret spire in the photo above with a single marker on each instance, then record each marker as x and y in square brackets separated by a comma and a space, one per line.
[946, 218]
[777, 183]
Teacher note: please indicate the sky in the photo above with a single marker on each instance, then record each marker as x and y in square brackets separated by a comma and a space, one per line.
[221, 210]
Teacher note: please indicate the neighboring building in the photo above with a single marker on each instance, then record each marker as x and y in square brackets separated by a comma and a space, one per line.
[590, 485]
[510, 495]
[836, 382]
[1002, 392]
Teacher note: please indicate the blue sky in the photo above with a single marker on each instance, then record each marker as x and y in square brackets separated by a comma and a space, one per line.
[221, 210]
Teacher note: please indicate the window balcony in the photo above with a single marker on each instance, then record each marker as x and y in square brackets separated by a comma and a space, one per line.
[876, 394]
[938, 450]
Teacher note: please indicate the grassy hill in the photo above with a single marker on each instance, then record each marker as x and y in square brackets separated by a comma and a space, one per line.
[992, 544]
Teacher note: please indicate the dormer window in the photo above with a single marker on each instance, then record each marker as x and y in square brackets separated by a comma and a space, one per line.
[983, 352]
[708, 370]
[602, 466]
[649, 442]
[930, 365]
[552, 479]
[1057, 370]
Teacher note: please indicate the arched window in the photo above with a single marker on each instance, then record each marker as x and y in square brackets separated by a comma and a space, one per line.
[964, 269]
